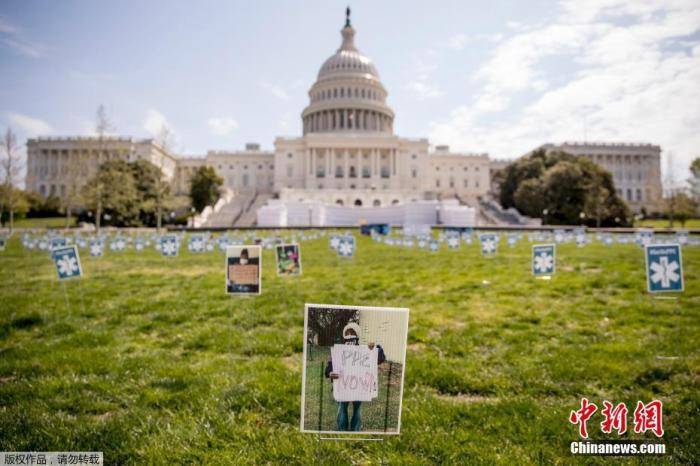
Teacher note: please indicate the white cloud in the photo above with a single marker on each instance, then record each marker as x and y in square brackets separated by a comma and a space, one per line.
[11, 38]
[423, 88]
[458, 41]
[275, 90]
[628, 81]
[222, 126]
[31, 126]
[6, 27]
[155, 122]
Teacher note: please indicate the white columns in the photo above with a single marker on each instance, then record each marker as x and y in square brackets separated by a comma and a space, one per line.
[346, 157]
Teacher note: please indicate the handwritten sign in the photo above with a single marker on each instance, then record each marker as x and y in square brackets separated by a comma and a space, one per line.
[357, 370]
[244, 274]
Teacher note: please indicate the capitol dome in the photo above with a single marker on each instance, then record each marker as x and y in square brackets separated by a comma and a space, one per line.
[348, 61]
[348, 95]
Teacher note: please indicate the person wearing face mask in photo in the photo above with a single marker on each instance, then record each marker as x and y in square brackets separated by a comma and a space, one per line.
[351, 336]
[243, 259]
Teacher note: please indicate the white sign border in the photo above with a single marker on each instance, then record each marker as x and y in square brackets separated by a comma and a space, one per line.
[646, 266]
[303, 367]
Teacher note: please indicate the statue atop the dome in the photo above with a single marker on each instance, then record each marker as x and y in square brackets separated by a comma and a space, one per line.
[347, 17]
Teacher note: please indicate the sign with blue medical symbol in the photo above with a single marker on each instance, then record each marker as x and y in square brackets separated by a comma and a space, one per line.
[664, 268]
[433, 245]
[453, 242]
[96, 249]
[489, 243]
[168, 245]
[346, 246]
[67, 262]
[57, 243]
[196, 243]
[543, 259]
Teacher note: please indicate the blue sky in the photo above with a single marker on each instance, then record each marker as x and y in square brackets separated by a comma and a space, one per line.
[500, 77]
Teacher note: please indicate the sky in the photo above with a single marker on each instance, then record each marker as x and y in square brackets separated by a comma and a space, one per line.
[500, 77]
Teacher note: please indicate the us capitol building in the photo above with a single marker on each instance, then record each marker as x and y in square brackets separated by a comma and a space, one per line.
[348, 154]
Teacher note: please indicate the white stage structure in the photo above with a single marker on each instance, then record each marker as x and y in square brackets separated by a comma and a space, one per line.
[277, 213]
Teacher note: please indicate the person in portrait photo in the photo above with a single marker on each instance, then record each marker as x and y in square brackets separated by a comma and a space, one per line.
[351, 336]
[243, 269]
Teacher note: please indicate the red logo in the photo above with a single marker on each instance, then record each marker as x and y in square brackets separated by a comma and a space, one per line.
[646, 417]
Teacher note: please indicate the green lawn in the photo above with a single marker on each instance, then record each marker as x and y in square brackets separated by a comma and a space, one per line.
[148, 360]
[692, 224]
[49, 222]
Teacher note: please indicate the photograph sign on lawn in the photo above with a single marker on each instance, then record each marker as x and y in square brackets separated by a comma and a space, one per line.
[543, 259]
[664, 267]
[288, 259]
[353, 369]
[244, 269]
[67, 262]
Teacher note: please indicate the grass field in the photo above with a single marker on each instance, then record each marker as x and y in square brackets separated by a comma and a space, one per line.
[692, 224]
[48, 222]
[148, 360]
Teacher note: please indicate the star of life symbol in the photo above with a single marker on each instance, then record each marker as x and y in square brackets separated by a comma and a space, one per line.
[197, 245]
[95, 249]
[345, 248]
[169, 248]
[434, 245]
[335, 242]
[67, 265]
[453, 242]
[421, 243]
[488, 245]
[544, 262]
[664, 271]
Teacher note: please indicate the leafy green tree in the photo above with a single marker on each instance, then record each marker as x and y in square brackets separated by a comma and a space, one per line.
[114, 189]
[148, 178]
[205, 186]
[695, 179]
[680, 206]
[564, 185]
[529, 197]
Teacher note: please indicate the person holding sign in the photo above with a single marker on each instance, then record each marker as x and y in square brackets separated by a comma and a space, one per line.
[243, 268]
[353, 370]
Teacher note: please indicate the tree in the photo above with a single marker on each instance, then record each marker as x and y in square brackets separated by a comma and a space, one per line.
[102, 127]
[680, 206]
[164, 141]
[564, 185]
[326, 326]
[115, 190]
[147, 177]
[530, 197]
[10, 171]
[205, 185]
[695, 179]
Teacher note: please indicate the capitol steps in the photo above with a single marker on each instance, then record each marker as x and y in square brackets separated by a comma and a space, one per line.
[229, 213]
